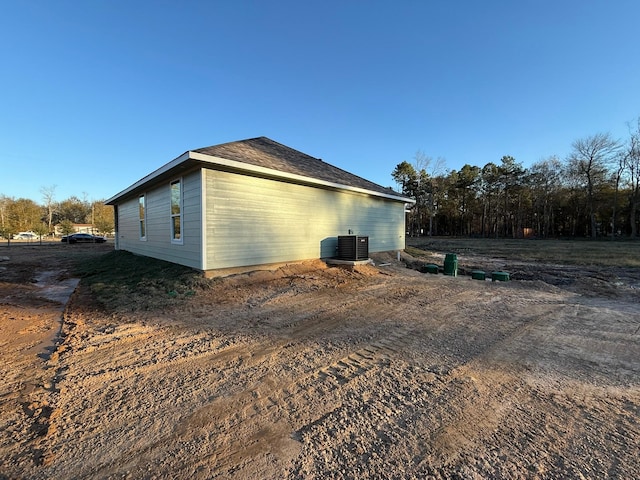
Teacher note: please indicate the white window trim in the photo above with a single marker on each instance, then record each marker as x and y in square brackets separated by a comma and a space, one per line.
[203, 219]
[179, 241]
[143, 238]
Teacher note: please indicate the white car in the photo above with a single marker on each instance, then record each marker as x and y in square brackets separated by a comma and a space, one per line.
[25, 236]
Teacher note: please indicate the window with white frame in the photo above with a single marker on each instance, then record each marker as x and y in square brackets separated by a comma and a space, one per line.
[176, 211]
[142, 209]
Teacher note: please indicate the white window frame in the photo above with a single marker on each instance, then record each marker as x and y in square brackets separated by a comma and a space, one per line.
[142, 220]
[172, 216]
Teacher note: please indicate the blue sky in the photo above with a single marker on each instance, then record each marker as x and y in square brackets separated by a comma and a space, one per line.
[97, 94]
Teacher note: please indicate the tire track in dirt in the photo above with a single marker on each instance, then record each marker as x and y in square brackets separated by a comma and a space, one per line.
[268, 399]
[486, 390]
[287, 405]
[379, 390]
[452, 436]
[499, 378]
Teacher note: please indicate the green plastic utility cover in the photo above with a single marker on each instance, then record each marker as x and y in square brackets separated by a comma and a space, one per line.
[499, 277]
[478, 274]
[431, 268]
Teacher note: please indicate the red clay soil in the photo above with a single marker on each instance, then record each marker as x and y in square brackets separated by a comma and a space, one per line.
[317, 372]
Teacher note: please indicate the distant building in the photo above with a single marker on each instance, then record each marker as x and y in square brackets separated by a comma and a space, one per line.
[77, 228]
[253, 202]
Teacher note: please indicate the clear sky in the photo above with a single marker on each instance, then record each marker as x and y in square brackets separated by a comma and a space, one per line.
[96, 94]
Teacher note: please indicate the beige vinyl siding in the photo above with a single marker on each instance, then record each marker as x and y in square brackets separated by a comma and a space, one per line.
[252, 221]
[158, 240]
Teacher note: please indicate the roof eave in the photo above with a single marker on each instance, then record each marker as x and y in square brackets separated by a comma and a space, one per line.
[149, 178]
[246, 167]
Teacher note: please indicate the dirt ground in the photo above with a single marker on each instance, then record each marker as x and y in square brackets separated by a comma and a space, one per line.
[318, 372]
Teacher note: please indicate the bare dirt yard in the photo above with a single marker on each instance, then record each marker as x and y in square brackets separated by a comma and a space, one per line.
[312, 371]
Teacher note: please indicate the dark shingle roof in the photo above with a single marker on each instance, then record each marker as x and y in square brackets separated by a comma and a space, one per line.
[264, 152]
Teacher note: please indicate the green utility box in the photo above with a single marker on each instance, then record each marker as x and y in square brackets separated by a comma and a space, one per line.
[431, 268]
[499, 277]
[451, 264]
[478, 275]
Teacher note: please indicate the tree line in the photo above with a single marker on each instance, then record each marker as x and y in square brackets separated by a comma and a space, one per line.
[23, 215]
[593, 192]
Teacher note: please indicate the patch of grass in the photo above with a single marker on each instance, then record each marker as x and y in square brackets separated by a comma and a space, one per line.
[617, 253]
[416, 252]
[122, 281]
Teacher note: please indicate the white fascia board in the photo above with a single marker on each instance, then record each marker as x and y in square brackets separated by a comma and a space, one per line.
[290, 176]
[165, 168]
[233, 164]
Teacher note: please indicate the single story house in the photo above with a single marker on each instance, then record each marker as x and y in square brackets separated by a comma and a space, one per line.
[77, 228]
[253, 202]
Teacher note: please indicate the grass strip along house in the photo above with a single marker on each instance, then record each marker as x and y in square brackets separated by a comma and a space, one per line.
[253, 202]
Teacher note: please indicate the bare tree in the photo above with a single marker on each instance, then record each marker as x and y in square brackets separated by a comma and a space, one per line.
[590, 160]
[632, 166]
[48, 196]
[545, 180]
[616, 178]
[429, 169]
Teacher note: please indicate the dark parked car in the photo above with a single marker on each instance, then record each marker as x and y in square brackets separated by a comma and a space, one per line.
[83, 238]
